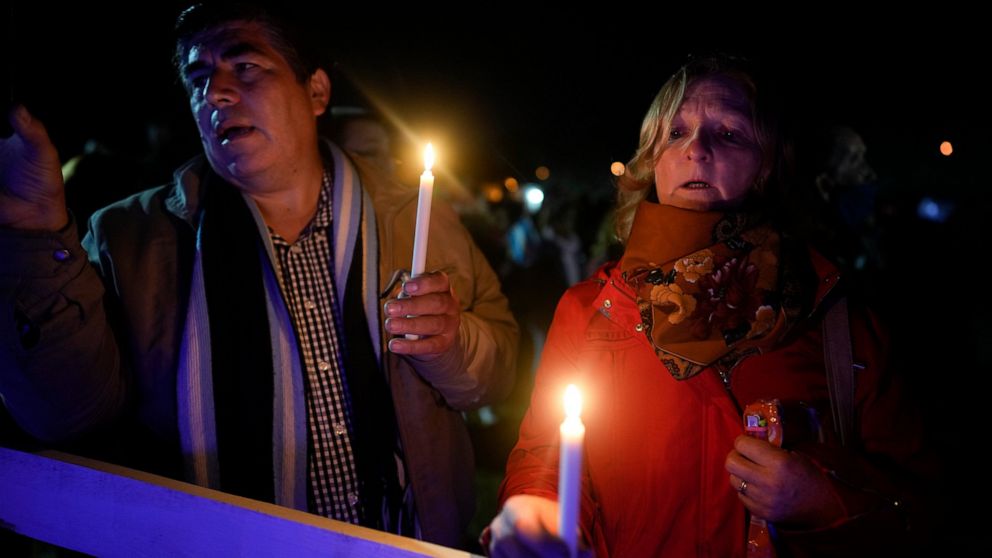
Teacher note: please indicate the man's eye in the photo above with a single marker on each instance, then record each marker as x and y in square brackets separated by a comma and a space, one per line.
[196, 81]
[242, 67]
[728, 134]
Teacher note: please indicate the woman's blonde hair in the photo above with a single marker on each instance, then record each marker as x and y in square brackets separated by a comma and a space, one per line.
[637, 183]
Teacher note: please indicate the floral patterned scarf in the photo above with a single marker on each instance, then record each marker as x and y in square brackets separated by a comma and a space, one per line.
[709, 286]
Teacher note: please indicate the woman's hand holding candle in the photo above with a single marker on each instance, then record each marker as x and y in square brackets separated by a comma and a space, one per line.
[526, 526]
[531, 525]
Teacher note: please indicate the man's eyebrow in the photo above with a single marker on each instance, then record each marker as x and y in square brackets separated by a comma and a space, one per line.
[239, 49]
[232, 51]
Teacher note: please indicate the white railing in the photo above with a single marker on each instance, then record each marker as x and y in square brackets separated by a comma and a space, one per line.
[107, 510]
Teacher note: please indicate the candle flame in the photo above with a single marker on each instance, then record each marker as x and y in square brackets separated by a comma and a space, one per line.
[573, 402]
[428, 157]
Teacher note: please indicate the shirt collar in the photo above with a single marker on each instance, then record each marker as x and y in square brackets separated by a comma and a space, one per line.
[324, 215]
[322, 219]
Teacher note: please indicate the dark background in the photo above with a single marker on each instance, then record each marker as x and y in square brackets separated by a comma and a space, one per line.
[516, 87]
[523, 87]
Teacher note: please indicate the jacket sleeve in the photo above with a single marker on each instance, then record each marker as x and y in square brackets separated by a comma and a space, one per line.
[532, 467]
[883, 478]
[60, 369]
[480, 369]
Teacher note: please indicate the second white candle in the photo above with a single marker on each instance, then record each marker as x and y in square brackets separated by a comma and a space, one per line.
[570, 469]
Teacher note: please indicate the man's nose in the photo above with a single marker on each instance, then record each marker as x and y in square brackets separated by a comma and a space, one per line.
[221, 89]
[868, 174]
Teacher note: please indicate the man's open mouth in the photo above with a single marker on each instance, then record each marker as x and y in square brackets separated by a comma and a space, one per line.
[234, 132]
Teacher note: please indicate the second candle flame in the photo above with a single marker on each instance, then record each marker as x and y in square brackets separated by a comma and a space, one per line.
[573, 402]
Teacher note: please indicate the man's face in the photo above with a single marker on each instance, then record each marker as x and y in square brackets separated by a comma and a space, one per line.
[850, 167]
[711, 158]
[255, 118]
[369, 140]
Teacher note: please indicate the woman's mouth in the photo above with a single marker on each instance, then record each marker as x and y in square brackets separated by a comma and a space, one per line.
[698, 185]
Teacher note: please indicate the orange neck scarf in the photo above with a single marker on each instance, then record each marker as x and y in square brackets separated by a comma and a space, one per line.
[708, 286]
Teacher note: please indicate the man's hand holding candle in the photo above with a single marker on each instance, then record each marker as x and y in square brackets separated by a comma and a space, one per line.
[430, 310]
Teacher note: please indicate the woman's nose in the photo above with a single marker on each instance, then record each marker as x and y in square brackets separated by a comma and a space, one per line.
[699, 146]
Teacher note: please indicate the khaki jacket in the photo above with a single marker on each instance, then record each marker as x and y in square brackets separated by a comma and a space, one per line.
[91, 338]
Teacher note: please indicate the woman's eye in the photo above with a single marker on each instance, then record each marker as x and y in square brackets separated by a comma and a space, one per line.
[728, 134]
[675, 134]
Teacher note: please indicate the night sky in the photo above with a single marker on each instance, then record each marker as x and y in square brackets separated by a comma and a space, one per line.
[516, 88]
[509, 88]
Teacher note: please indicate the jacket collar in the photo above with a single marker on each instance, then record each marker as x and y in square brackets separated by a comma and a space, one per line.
[827, 273]
[185, 195]
[184, 199]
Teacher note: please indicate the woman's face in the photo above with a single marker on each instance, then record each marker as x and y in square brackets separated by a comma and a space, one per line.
[711, 158]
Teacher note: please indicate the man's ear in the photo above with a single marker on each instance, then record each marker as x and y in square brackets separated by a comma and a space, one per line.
[320, 91]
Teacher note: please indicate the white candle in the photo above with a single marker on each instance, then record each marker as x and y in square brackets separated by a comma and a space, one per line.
[423, 214]
[570, 469]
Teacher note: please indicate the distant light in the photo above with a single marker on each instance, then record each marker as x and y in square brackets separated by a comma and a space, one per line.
[493, 193]
[511, 184]
[487, 417]
[533, 198]
[929, 209]
[618, 168]
[934, 210]
[542, 173]
[946, 148]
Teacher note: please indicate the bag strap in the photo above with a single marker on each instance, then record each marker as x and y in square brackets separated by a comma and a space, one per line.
[839, 361]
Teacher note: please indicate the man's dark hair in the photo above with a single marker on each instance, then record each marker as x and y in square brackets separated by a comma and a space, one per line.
[288, 38]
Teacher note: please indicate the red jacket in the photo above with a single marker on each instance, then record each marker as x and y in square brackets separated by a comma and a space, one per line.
[653, 470]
